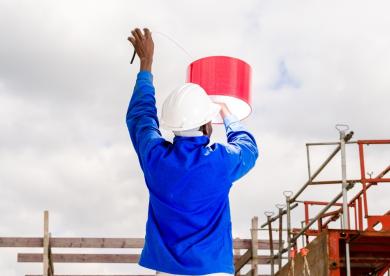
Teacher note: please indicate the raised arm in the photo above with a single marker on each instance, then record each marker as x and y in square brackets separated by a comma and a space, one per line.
[141, 117]
[241, 152]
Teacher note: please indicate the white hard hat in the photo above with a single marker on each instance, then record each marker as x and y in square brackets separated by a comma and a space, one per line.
[187, 107]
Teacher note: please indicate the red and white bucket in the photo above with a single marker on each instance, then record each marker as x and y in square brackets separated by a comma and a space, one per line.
[225, 79]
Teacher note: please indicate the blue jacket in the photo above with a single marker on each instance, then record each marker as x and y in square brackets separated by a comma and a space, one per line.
[188, 230]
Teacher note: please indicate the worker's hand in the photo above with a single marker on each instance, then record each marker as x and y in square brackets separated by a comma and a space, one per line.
[224, 110]
[144, 47]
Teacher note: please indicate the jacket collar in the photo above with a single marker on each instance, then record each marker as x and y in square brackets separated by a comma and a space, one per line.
[192, 140]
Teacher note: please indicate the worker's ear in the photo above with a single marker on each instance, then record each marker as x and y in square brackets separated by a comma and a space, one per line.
[207, 129]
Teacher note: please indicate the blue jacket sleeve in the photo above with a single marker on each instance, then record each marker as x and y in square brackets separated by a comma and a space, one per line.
[141, 117]
[241, 152]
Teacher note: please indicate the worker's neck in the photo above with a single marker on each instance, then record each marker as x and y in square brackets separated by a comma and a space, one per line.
[189, 133]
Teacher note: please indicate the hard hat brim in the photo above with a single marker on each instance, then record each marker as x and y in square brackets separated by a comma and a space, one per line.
[214, 110]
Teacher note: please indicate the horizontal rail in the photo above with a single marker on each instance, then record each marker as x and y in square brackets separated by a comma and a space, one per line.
[329, 143]
[311, 202]
[115, 274]
[79, 258]
[278, 215]
[102, 242]
[373, 142]
[325, 182]
[73, 242]
[108, 258]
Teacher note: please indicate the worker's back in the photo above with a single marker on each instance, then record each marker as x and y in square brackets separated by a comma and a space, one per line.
[189, 216]
[189, 228]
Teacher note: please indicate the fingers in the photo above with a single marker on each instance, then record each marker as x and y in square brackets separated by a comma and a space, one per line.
[131, 39]
[136, 35]
[139, 34]
[147, 33]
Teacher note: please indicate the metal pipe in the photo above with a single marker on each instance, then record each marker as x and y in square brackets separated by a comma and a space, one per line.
[330, 143]
[288, 195]
[280, 207]
[325, 182]
[323, 144]
[345, 221]
[308, 162]
[303, 237]
[363, 178]
[360, 209]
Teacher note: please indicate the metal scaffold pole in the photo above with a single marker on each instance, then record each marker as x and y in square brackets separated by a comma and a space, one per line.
[342, 129]
[288, 195]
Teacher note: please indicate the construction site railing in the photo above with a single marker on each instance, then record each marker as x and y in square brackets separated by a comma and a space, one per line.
[358, 203]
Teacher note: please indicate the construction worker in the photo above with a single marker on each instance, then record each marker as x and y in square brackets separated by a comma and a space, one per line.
[188, 231]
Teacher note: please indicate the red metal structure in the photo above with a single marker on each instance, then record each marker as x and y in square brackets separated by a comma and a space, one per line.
[361, 246]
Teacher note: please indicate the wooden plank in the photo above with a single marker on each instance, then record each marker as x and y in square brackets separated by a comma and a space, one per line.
[246, 244]
[101, 258]
[255, 226]
[237, 254]
[51, 266]
[46, 271]
[73, 242]
[20, 242]
[108, 275]
[102, 242]
[80, 258]
[244, 259]
[98, 242]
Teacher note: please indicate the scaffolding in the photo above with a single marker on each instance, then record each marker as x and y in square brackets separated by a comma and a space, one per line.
[348, 250]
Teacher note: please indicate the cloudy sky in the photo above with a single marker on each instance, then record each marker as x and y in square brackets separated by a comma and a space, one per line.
[65, 83]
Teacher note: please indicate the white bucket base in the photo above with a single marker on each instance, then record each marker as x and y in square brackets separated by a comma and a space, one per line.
[237, 107]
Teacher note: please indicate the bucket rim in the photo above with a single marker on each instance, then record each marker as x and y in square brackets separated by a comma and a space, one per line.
[221, 56]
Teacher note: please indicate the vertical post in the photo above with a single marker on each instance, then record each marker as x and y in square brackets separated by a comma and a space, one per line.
[46, 243]
[363, 179]
[306, 212]
[345, 222]
[308, 162]
[288, 195]
[303, 236]
[355, 214]
[271, 242]
[360, 212]
[255, 226]
[237, 252]
[280, 207]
